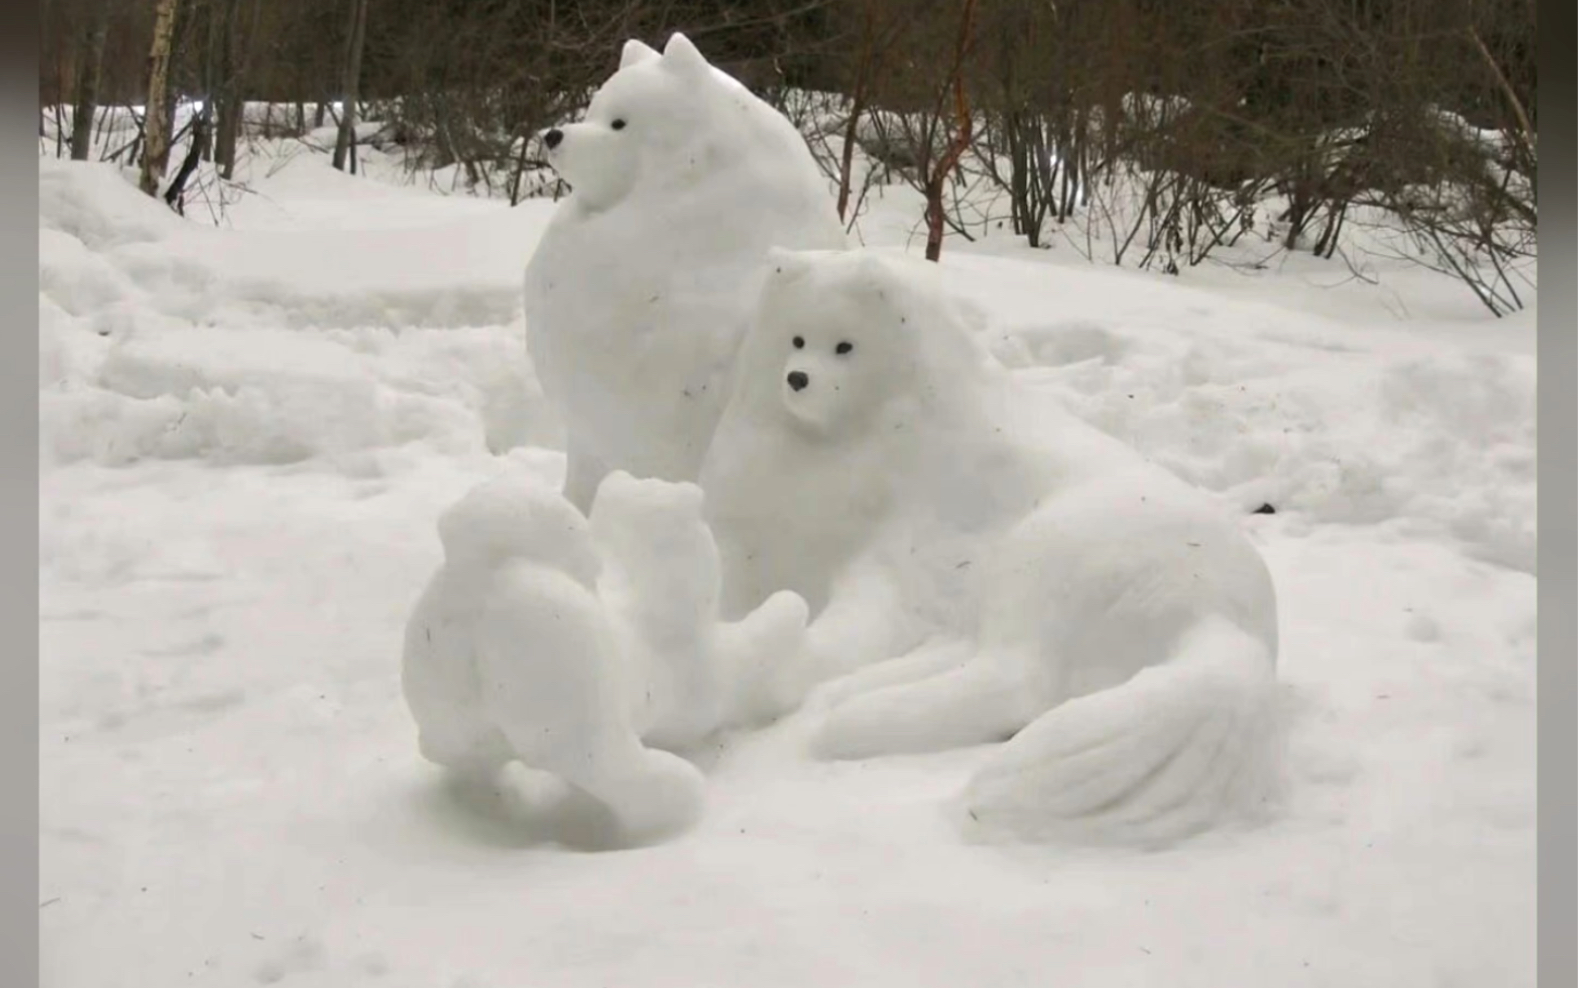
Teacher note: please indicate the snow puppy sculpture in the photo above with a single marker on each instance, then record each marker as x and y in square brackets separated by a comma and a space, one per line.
[584, 649]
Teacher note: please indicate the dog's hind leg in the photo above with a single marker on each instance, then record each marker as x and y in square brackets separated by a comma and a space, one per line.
[985, 700]
[931, 658]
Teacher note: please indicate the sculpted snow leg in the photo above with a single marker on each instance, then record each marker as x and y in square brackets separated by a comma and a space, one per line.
[932, 658]
[983, 701]
[764, 659]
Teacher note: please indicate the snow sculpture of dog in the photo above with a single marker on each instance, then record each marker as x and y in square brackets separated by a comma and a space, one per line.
[1049, 589]
[585, 650]
[639, 291]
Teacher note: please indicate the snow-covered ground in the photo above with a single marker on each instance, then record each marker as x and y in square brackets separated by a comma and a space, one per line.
[247, 434]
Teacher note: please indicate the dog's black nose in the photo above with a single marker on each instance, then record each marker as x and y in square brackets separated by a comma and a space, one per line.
[553, 138]
[798, 380]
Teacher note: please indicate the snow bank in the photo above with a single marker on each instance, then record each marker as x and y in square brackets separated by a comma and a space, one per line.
[161, 338]
[1367, 425]
[99, 205]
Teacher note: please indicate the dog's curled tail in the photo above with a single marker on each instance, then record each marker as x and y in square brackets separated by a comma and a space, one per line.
[1164, 755]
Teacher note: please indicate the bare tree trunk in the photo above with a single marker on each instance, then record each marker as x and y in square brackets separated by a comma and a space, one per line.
[858, 106]
[345, 144]
[521, 167]
[236, 63]
[156, 145]
[209, 86]
[43, 50]
[934, 188]
[224, 92]
[189, 165]
[90, 70]
[58, 85]
[847, 153]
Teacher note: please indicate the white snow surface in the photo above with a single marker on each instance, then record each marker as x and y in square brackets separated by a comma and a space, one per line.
[248, 435]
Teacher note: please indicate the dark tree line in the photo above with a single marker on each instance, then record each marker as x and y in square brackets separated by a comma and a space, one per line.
[1426, 109]
[463, 72]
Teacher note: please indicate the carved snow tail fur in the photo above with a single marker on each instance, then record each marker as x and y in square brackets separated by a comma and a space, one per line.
[1171, 752]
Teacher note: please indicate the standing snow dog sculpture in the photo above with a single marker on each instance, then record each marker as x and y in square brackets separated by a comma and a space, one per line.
[583, 649]
[637, 296]
[1121, 632]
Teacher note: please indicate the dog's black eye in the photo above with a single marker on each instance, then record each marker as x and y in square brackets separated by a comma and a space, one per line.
[843, 349]
[798, 343]
[618, 125]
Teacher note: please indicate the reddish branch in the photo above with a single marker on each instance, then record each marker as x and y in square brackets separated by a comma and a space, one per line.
[934, 189]
[858, 106]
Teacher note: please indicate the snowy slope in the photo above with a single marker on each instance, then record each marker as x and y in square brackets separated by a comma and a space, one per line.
[247, 434]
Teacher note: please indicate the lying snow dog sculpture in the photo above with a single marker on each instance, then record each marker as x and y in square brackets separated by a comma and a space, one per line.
[852, 463]
[637, 296]
[574, 646]
[1122, 632]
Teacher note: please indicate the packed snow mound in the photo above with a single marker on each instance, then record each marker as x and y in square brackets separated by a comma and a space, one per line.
[172, 350]
[588, 650]
[101, 206]
[638, 293]
[867, 424]
[274, 397]
[1432, 438]
[435, 273]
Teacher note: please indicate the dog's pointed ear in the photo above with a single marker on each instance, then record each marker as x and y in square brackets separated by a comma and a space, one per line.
[787, 265]
[683, 55]
[615, 487]
[877, 272]
[636, 52]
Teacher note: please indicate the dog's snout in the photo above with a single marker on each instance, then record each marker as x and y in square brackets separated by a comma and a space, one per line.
[798, 380]
[552, 138]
